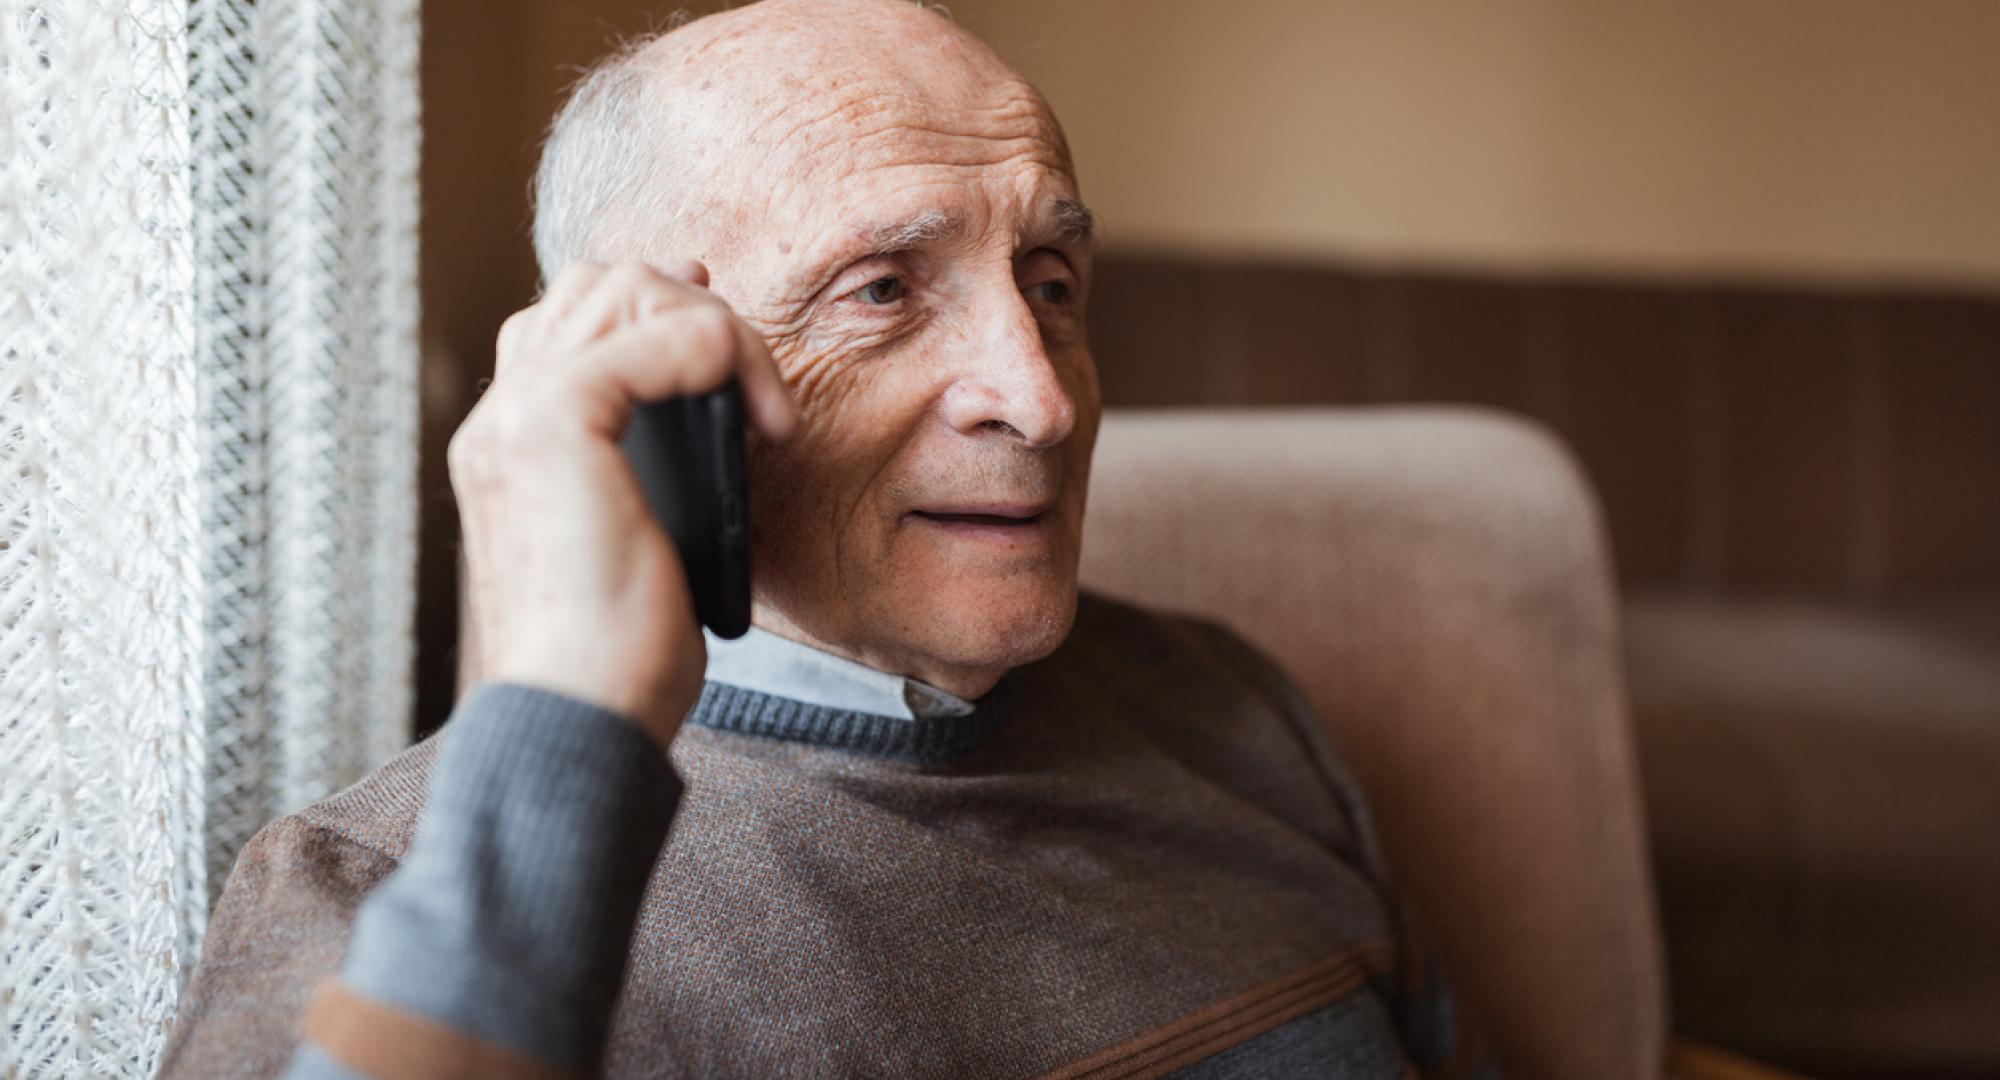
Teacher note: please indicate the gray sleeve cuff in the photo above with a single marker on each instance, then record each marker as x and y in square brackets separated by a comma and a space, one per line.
[512, 914]
[312, 1063]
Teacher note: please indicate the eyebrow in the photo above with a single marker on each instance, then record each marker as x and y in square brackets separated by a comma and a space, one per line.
[924, 228]
[1074, 224]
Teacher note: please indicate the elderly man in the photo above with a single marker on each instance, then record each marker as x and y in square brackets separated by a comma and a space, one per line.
[940, 816]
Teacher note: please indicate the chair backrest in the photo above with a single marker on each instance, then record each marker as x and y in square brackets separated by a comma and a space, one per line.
[1437, 580]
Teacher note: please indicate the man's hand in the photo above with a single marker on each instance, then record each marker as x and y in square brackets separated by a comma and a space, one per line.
[573, 585]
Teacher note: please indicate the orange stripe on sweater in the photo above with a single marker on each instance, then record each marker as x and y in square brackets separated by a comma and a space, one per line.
[1234, 1019]
[390, 1044]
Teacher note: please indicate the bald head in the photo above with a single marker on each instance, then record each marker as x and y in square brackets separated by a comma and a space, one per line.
[666, 144]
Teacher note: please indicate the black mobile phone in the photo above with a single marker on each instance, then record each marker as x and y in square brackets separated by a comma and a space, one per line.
[688, 455]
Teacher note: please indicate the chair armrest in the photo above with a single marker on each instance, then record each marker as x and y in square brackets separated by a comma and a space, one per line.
[1690, 1060]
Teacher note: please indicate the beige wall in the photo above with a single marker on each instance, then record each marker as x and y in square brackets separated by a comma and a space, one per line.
[1737, 138]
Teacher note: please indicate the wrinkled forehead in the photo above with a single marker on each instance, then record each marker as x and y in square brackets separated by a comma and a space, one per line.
[810, 125]
[861, 143]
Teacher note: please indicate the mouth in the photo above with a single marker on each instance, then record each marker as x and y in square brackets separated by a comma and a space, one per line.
[991, 522]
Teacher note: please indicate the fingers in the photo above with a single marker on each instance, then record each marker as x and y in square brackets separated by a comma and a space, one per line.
[570, 282]
[692, 271]
[617, 296]
[681, 351]
[649, 333]
[525, 332]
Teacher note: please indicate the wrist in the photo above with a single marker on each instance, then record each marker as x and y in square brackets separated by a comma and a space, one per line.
[653, 705]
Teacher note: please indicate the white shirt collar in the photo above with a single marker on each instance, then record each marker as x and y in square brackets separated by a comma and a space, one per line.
[769, 664]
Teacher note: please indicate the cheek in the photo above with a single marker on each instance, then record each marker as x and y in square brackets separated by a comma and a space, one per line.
[820, 489]
[1080, 378]
[796, 489]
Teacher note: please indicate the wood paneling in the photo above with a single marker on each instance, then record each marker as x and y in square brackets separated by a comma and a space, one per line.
[1469, 342]
[1943, 432]
[1304, 335]
[1147, 324]
[1789, 423]
[1742, 438]
[1625, 395]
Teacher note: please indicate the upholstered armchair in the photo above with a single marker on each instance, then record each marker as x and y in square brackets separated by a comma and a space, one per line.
[1439, 583]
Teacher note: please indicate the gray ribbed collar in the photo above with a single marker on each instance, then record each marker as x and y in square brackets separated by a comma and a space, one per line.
[927, 740]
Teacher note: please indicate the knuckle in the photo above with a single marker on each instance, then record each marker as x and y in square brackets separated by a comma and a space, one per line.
[706, 320]
[512, 330]
[652, 290]
[698, 337]
[631, 273]
[575, 273]
[464, 458]
[628, 282]
[498, 428]
[508, 429]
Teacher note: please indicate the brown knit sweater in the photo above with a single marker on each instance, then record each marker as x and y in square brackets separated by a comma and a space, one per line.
[1138, 855]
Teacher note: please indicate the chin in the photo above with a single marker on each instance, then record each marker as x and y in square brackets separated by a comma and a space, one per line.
[999, 624]
[923, 608]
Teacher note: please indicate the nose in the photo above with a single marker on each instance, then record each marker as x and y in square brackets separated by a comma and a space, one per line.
[1008, 383]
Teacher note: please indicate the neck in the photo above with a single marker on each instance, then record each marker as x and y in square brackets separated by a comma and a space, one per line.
[968, 682]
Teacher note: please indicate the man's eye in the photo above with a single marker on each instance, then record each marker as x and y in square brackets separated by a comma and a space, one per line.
[883, 290]
[1054, 292]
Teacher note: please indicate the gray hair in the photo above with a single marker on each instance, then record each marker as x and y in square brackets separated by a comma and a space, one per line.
[601, 164]
[605, 163]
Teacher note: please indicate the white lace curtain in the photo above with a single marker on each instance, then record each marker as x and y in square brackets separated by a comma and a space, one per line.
[207, 458]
